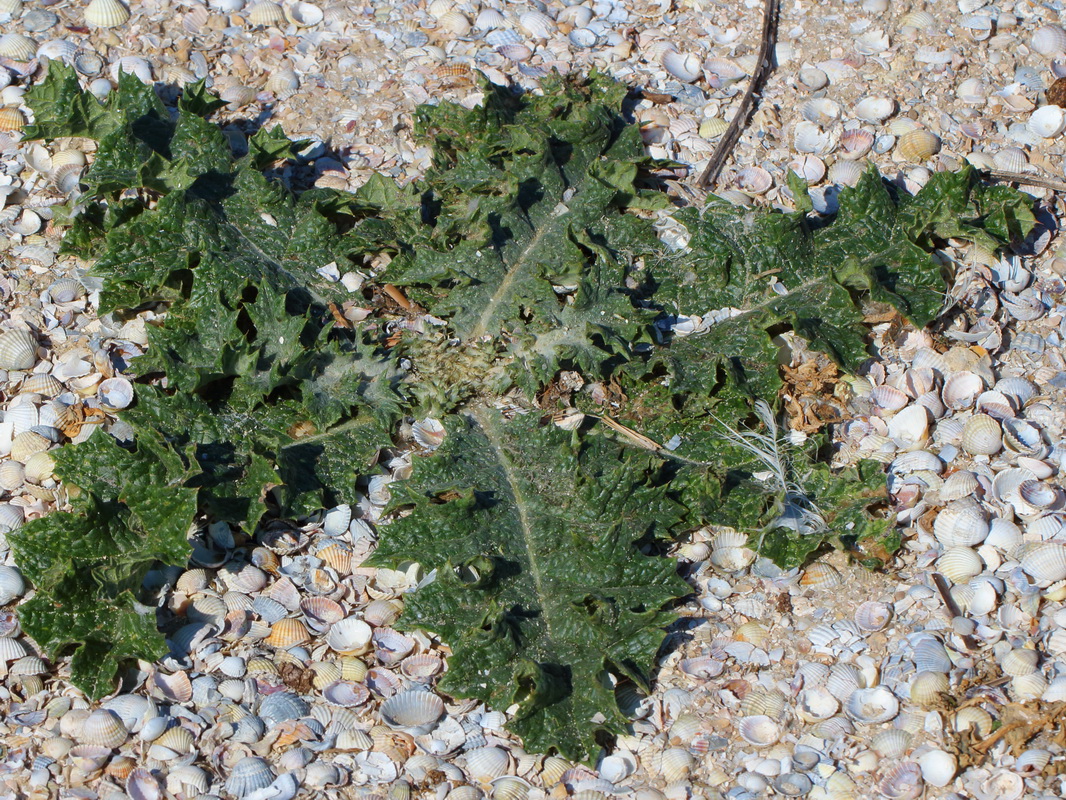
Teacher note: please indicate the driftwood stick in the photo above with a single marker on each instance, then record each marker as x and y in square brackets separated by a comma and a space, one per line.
[740, 119]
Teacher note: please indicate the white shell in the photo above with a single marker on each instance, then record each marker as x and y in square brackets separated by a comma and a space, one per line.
[938, 767]
[910, 427]
[961, 524]
[875, 109]
[537, 24]
[486, 763]
[982, 435]
[106, 14]
[12, 585]
[1047, 121]
[17, 47]
[303, 15]
[1049, 40]
[873, 615]
[759, 730]
[1045, 561]
[821, 111]
[959, 564]
[115, 393]
[870, 706]
[350, 635]
[891, 743]
[413, 711]
[809, 138]
[18, 349]
[248, 775]
[683, 66]
[104, 728]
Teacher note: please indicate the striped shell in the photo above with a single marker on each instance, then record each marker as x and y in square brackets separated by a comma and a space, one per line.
[106, 14]
[11, 119]
[17, 47]
[266, 13]
[18, 349]
[248, 775]
[104, 728]
[413, 711]
[918, 145]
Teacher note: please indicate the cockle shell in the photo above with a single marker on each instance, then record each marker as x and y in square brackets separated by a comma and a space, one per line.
[283, 83]
[345, 694]
[283, 706]
[873, 615]
[486, 763]
[910, 427]
[871, 706]
[675, 764]
[414, 711]
[918, 145]
[17, 47]
[959, 564]
[455, 22]
[18, 349]
[822, 575]
[927, 687]
[809, 138]
[962, 523]
[821, 111]
[266, 13]
[845, 173]
[1019, 662]
[248, 775]
[685, 67]
[39, 468]
[11, 119]
[1049, 40]
[1047, 121]
[537, 25]
[759, 730]
[816, 703]
[350, 635]
[106, 14]
[891, 743]
[875, 109]
[26, 444]
[938, 767]
[973, 718]
[982, 435]
[1032, 762]
[303, 15]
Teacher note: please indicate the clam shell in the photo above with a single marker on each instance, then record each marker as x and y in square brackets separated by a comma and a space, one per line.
[11, 119]
[891, 743]
[18, 349]
[759, 730]
[821, 575]
[287, 633]
[817, 703]
[685, 67]
[809, 138]
[793, 784]
[104, 728]
[39, 468]
[918, 145]
[265, 14]
[12, 475]
[821, 111]
[413, 711]
[17, 47]
[927, 687]
[455, 22]
[345, 694]
[303, 15]
[1032, 762]
[675, 764]
[248, 775]
[283, 706]
[982, 435]
[176, 739]
[485, 763]
[1045, 562]
[283, 83]
[871, 706]
[26, 444]
[350, 635]
[843, 681]
[959, 564]
[961, 524]
[1047, 121]
[875, 109]
[106, 14]
[67, 178]
[873, 615]
[973, 718]
[961, 390]
[1020, 662]
[537, 25]
[1049, 40]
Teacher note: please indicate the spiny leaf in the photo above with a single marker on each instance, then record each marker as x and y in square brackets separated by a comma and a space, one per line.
[542, 590]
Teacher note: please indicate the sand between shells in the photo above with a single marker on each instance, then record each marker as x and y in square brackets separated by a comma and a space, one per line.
[285, 675]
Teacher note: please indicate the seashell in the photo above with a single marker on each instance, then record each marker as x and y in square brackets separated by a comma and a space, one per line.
[106, 14]
[414, 711]
[1028, 687]
[1019, 662]
[809, 138]
[18, 349]
[489, 19]
[909, 429]
[303, 15]
[959, 485]
[265, 14]
[754, 180]
[875, 109]
[891, 743]
[429, 433]
[833, 728]
[283, 83]
[973, 718]
[177, 739]
[854, 144]
[455, 22]
[187, 778]
[918, 145]
[959, 564]
[762, 701]
[793, 784]
[675, 764]
[537, 25]
[12, 475]
[382, 613]
[320, 775]
[1022, 436]
[759, 730]
[930, 656]
[115, 393]
[132, 65]
[350, 635]
[485, 763]
[813, 78]
[961, 390]
[354, 740]
[1047, 121]
[821, 575]
[871, 706]
[17, 47]
[982, 435]
[321, 612]
[250, 774]
[67, 178]
[40, 467]
[686, 67]
[843, 680]
[821, 111]
[816, 703]
[1035, 493]
[916, 461]
[1032, 762]
[515, 52]
[938, 767]
[282, 706]
[28, 223]
[873, 615]
[287, 633]
[928, 687]
[28, 665]
[238, 96]
[961, 524]
[995, 404]
[1049, 40]
[89, 758]
[175, 687]
[26, 444]
[104, 728]
[11, 119]
[345, 694]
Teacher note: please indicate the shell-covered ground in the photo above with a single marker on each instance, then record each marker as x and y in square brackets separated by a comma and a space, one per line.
[830, 682]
